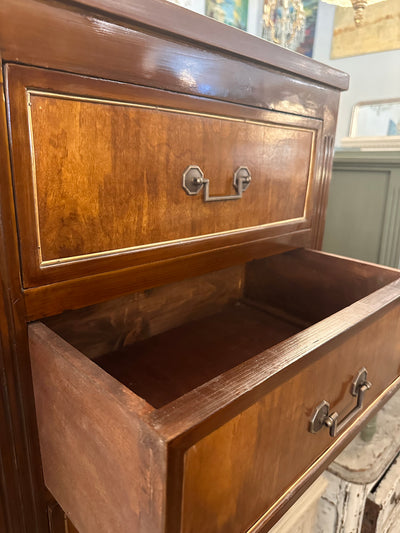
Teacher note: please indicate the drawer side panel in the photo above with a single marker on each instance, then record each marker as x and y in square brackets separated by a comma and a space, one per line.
[100, 461]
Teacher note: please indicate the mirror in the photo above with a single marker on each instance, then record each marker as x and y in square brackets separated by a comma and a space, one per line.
[375, 125]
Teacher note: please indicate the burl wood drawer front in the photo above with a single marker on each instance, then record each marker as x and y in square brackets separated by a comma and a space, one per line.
[104, 173]
[170, 454]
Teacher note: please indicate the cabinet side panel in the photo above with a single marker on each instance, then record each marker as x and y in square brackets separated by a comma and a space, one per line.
[21, 482]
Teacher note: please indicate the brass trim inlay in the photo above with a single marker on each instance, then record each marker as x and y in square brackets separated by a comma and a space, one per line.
[48, 263]
[34, 183]
[163, 244]
[122, 103]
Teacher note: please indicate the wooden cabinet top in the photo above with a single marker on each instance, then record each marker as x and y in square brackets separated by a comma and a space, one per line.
[110, 104]
[33, 32]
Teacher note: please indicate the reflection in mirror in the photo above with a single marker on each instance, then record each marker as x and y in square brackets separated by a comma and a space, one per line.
[375, 125]
[376, 119]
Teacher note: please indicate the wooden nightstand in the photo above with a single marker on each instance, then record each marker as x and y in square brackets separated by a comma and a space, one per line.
[196, 363]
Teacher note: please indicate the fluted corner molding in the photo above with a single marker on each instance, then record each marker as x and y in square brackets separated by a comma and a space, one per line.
[328, 148]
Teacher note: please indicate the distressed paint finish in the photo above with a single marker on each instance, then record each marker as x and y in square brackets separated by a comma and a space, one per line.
[383, 503]
[361, 492]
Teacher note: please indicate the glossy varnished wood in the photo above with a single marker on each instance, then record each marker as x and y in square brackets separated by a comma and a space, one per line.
[218, 36]
[105, 422]
[22, 505]
[96, 435]
[118, 165]
[288, 356]
[102, 46]
[131, 160]
[272, 429]
[55, 298]
[112, 325]
[239, 406]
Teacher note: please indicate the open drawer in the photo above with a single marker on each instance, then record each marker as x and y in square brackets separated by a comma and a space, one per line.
[192, 408]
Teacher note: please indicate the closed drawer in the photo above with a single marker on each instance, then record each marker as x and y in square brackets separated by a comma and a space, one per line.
[201, 422]
[102, 172]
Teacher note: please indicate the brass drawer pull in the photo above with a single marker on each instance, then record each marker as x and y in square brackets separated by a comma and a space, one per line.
[322, 417]
[194, 180]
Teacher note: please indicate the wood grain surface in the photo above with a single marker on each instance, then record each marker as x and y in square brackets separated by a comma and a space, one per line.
[36, 33]
[269, 444]
[119, 172]
[116, 155]
[109, 326]
[58, 521]
[237, 389]
[220, 36]
[101, 461]
[240, 380]
[171, 364]
[97, 437]
[22, 505]
[311, 285]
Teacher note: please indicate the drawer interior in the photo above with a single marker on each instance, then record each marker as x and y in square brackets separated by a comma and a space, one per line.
[167, 341]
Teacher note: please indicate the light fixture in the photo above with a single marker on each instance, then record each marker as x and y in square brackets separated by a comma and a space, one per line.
[358, 6]
[284, 22]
